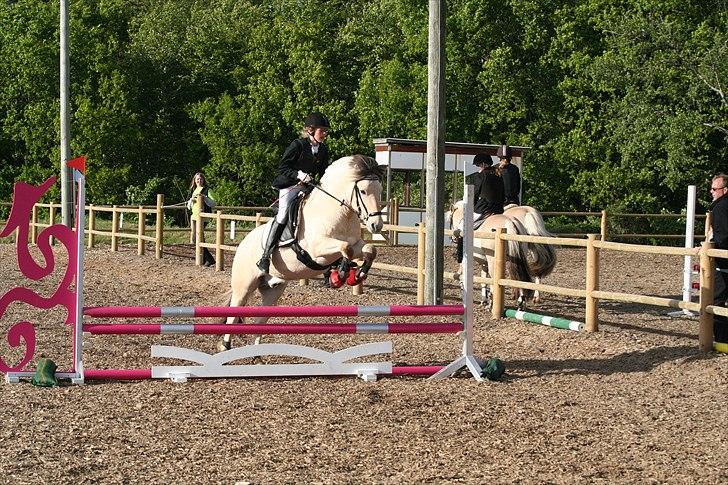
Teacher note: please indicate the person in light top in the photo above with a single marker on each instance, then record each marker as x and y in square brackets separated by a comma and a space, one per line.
[199, 188]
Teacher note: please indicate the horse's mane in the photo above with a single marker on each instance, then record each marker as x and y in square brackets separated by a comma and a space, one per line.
[353, 168]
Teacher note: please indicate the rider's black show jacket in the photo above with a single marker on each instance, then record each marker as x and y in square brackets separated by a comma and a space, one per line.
[298, 156]
[489, 193]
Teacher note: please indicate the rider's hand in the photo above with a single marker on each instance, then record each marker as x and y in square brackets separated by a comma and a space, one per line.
[304, 177]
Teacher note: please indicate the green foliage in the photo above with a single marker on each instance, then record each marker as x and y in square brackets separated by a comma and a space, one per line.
[622, 103]
[145, 194]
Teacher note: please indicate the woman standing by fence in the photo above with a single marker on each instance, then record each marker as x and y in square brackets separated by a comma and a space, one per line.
[199, 188]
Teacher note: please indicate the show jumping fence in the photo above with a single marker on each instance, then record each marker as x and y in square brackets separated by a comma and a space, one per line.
[343, 362]
[218, 365]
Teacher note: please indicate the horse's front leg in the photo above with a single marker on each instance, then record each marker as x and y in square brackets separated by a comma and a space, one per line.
[327, 249]
[366, 252]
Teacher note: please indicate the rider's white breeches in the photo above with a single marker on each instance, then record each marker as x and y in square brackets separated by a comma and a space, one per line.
[285, 196]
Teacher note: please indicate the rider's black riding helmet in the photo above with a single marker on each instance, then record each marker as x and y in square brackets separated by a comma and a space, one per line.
[316, 120]
[482, 158]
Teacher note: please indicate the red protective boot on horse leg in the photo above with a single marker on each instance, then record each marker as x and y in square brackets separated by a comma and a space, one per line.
[353, 278]
[335, 280]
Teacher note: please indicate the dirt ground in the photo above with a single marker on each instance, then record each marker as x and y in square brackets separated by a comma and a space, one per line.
[633, 403]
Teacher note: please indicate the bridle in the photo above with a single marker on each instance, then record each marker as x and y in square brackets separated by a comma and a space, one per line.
[362, 211]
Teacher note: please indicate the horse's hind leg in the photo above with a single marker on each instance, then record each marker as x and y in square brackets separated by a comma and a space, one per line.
[536, 293]
[270, 297]
[239, 297]
[521, 300]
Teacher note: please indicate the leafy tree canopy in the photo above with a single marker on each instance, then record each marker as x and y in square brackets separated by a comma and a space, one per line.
[623, 102]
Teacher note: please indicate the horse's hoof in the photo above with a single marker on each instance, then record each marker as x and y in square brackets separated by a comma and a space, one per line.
[222, 346]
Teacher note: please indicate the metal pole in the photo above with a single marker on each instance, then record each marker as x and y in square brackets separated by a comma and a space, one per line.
[66, 172]
[78, 324]
[435, 208]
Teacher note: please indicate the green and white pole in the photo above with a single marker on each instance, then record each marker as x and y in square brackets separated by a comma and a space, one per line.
[561, 323]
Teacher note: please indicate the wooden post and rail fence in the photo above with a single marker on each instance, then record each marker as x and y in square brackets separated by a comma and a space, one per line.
[593, 243]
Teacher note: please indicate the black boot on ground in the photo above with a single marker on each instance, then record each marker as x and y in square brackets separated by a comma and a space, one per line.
[207, 259]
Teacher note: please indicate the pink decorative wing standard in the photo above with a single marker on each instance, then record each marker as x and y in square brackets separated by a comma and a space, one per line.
[24, 197]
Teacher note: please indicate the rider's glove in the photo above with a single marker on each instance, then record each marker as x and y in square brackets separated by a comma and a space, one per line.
[304, 177]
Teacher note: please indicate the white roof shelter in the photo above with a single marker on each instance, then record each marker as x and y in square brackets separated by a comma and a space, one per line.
[410, 157]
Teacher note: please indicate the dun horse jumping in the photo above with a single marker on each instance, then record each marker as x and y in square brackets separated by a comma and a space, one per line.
[328, 230]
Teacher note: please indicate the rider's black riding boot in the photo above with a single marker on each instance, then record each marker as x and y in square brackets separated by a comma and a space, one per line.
[276, 229]
[459, 252]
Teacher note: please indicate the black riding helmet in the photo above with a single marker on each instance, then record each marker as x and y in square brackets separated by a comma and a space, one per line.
[482, 158]
[316, 120]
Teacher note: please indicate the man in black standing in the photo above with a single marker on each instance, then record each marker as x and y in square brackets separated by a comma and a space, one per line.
[511, 176]
[719, 224]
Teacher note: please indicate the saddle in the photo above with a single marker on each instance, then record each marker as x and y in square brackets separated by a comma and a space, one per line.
[290, 231]
[288, 236]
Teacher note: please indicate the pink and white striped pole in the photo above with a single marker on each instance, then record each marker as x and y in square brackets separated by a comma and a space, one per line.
[144, 374]
[270, 329]
[272, 311]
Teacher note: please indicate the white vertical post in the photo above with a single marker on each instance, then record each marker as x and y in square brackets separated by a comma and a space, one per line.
[689, 243]
[232, 230]
[467, 276]
[467, 359]
[78, 324]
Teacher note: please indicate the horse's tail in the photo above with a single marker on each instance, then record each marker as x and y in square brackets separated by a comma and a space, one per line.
[542, 256]
[517, 252]
[534, 224]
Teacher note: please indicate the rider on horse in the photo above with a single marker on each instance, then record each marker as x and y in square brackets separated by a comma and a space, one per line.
[304, 159]
[489, 194]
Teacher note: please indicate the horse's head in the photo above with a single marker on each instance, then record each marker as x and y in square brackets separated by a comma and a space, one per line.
[358, 180]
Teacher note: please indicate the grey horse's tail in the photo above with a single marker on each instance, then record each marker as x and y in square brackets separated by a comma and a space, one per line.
[542, 257]
[517, 261]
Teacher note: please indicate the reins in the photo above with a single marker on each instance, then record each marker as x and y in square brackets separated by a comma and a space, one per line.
[359, 200]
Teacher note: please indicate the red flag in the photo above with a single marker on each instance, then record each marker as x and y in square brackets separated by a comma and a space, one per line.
[78, 163]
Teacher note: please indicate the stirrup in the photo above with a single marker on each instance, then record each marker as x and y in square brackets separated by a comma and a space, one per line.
[263, 264]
